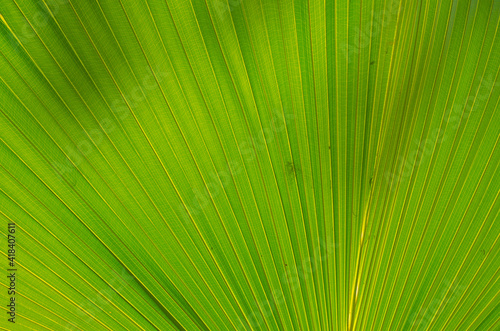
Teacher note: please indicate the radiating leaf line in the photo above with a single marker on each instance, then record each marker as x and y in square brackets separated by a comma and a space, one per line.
[55, 255]
[141, 137]
[86, 225]
[267, 150]
[288, 135]
[138, 224]
[143, 129]
[59, 276]
[264, 90]
[391, 182]
[360, 264]
[158, 83]
[411, 62]
[474, 278]
[62, 223]
[115, 212]
[174, 116]
[25, 297]
[404, 208]
[461, 189]
[441, 182]
[61, 294]
[468, 207]
[258, 304]
[380, 143]
[129, 214]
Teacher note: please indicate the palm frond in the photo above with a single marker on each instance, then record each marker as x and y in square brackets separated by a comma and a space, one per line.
[250, 165]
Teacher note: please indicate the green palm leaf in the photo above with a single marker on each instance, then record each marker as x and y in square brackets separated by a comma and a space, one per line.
[250, 165]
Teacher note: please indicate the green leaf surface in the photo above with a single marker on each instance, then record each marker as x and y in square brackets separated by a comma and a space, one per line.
[250, 164]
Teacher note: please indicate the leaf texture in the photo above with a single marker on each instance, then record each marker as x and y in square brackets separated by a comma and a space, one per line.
[251, 164]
